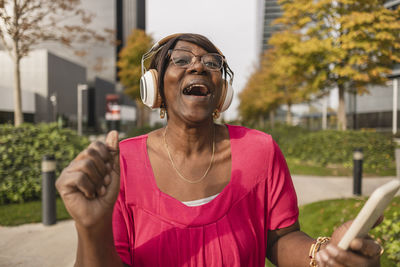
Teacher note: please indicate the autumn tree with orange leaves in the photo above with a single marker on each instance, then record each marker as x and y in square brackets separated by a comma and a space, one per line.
[130, 72]
[345, 44]
[279, 80]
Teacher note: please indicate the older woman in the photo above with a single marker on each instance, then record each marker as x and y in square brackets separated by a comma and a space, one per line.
[194, 193]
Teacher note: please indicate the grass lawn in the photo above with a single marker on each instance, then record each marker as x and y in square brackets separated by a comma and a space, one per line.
[30, 212]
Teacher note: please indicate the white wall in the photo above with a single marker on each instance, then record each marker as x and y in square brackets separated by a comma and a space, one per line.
[7, 100]
[380, 98]
[33, 72]
[104, 11]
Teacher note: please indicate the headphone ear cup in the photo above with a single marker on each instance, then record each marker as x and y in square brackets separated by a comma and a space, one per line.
[226, 96]
[149, 92]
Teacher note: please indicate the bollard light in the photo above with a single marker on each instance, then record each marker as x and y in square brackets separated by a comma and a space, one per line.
[358, 157]
[48, 190]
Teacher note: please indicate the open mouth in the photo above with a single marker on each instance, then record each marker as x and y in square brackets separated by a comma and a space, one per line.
[197, 90]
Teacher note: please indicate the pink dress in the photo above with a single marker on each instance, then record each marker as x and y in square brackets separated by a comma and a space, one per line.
[154, 229]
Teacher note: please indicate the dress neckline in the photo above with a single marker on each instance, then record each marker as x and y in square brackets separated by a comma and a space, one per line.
[177, 202]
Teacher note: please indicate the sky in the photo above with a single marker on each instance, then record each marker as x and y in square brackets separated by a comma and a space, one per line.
[234, 26]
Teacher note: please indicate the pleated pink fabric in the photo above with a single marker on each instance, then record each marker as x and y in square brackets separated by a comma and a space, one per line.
[154, 229]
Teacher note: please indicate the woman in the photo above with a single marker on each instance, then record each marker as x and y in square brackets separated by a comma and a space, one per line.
[194, 193]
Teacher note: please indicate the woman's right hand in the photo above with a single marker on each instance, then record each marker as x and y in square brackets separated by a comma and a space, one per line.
[89, 186]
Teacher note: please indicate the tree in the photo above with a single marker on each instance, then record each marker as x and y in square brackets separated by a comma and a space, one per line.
[286, 70]
[346, 44]
[131, 69]
[24, 24]
[259, 98]
[279, 80]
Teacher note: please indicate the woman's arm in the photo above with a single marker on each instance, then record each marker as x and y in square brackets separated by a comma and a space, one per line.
[89, 187]
[290, 247]
[96, 246]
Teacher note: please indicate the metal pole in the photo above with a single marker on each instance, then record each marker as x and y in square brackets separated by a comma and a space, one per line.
[81, 87]
[357, 170]
[397, 158]
[395, 97]
[48, 190]
[324, 113]
[355, 110]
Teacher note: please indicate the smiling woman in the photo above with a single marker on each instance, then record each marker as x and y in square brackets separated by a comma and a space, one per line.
[194, 193]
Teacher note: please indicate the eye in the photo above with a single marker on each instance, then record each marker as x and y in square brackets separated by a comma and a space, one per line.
[211, 64]
[212, 61]
[181, 60]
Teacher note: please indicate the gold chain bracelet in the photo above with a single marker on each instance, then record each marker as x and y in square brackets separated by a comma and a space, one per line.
[315, 248]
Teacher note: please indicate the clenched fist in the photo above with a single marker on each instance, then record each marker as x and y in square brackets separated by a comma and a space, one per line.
[89, 186]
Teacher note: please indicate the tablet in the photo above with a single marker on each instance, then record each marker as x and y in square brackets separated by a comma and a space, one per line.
[370, 212]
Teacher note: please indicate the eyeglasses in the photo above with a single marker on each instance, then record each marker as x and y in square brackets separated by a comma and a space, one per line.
[184, 59]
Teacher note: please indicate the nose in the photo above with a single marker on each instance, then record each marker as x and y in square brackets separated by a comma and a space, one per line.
[197, 66]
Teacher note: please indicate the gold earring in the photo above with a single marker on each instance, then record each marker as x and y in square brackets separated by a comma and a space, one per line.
[162, 113]
[216, 114]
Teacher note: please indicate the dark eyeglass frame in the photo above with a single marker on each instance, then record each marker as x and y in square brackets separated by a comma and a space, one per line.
[196, 56]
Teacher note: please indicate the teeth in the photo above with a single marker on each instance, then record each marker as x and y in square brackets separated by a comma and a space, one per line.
[188, 89]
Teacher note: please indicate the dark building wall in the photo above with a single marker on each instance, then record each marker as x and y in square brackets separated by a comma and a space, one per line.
[101, 89]
[63, 79]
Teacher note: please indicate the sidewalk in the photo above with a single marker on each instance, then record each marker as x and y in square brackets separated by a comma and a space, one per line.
[36, 245]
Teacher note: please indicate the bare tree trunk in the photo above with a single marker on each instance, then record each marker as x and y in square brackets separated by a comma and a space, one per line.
[289, 119]
[261, 123]
[272, 118]
[341, 113]
[18, 117]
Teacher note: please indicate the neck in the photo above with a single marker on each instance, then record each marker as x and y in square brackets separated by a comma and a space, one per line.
[190, 139]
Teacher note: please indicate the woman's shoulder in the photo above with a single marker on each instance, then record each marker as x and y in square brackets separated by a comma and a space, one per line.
[245, 134]
[132, 144]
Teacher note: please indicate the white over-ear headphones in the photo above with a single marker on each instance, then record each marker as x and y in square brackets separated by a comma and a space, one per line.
[149, 91]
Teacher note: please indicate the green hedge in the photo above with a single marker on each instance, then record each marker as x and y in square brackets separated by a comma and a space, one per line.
[330, 147]
[21, 152]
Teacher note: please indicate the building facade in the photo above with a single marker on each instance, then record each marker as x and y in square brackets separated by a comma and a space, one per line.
[51, 73]
[272, 11]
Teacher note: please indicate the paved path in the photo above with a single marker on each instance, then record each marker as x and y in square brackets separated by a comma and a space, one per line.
[310, 189]
[35, 245]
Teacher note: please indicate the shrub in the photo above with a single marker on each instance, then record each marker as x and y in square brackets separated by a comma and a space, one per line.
[21, 152]
[336, 147]
[330, 147]
[389, 231]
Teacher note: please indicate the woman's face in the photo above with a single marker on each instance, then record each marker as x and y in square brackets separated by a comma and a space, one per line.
[191, 93]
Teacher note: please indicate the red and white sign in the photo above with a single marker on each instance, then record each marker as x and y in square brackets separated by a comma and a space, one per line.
[113, 109]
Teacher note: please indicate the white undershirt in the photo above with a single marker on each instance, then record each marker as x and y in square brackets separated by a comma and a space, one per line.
[199, 202]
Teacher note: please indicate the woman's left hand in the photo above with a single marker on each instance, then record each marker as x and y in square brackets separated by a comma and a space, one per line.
[362, 251]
